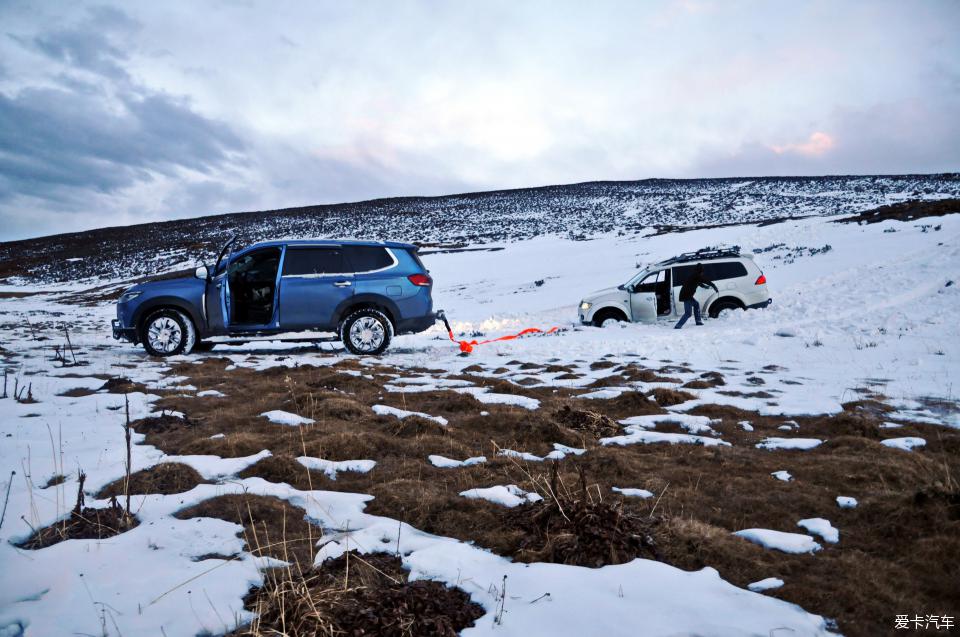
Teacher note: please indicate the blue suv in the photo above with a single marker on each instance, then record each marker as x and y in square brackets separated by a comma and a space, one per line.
[366, 291]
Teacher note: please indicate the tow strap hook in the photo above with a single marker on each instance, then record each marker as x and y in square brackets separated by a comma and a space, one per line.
[467, 346]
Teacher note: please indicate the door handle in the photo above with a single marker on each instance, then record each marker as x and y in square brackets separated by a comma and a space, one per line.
[342, 284]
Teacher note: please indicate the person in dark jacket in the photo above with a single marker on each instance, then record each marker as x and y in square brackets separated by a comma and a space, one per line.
[687, 290]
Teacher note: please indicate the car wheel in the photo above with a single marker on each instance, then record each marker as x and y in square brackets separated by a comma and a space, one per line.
[608, 319]
[722, 306]
[366, 332]
[167, 332]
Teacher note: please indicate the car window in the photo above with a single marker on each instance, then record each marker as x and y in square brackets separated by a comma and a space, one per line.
[712, 271]
[724, 270]
[256, 265]
[367, 258]
[313, 261]
[681, 273]
[649, 282]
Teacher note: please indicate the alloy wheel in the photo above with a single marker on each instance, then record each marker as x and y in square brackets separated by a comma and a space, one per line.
[367, 334]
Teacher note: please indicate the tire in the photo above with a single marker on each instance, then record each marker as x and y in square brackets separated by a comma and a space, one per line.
[723, 305]
[167, 332]
[603, 318]
[366, 332]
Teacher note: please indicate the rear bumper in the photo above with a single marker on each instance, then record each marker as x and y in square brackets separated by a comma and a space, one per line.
[124, 333]
[761, 305]
[417, 324]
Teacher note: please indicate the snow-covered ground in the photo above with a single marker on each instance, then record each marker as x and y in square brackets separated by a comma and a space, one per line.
[876, 311]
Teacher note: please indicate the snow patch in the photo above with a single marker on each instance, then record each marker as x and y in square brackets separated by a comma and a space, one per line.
[767, 584]
[637, 435]
[633, 493]
[509, 495]
[214, 467]
[907, 443]
[331, 467]
[821, 527]
[693, 424]
[384, 410]
[802, 444]
[286, 418]
[780, 541]
[604, 394]
[448, 463]
[487, 397]
[562, 451]
[846, 502]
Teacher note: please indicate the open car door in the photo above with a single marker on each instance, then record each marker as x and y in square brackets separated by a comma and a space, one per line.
[643, 297]
[216, 299]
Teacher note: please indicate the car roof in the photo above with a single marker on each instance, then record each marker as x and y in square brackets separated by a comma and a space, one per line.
[674, 262]
[707, 254]
[331, 242]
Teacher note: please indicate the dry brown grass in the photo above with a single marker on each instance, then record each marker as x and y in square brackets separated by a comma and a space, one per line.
[285, 469]
[165, 478]
[895, 551]
[357, 595]
[83, 523]
[669, 397]
[271, 526]
[634, 373]
[593, 423]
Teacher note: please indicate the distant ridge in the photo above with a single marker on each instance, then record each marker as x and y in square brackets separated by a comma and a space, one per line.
[577, 211]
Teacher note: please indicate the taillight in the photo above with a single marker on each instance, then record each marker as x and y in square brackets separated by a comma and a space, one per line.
[761, 281]
[422, 280]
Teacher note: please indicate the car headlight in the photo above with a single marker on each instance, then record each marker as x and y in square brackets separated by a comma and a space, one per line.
[126, 297]
[585, 306]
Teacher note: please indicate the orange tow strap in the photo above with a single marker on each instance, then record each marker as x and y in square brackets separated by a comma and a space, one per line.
[467, 346]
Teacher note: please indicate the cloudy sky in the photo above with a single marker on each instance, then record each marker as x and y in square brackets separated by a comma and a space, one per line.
[121, 113]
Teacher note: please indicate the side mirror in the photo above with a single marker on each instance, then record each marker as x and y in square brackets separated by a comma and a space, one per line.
[201, 272]
[631, 289]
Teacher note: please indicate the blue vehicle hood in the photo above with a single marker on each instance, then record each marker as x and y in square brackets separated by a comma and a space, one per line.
[186, 287]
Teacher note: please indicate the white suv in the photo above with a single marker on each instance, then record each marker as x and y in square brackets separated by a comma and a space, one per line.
[652, 293]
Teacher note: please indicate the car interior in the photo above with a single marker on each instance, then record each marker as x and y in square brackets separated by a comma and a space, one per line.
[253, 282]
[659, 284]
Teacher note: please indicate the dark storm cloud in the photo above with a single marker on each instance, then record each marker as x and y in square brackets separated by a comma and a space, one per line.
[59, 138]
[99, 133]
[89, 45]
[83, 50]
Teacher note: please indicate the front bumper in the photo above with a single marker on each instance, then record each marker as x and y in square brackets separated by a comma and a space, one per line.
[761, 305]
[121, 332]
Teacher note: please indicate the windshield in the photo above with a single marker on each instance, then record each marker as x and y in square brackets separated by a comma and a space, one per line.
[637, 277]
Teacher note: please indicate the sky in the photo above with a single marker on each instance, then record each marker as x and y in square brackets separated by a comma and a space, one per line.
[112, 114]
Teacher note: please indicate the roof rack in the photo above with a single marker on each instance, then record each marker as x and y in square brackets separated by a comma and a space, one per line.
[706, 254]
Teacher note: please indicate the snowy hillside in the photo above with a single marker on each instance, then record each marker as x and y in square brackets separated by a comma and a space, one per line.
[574, 211]
[790, 470]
